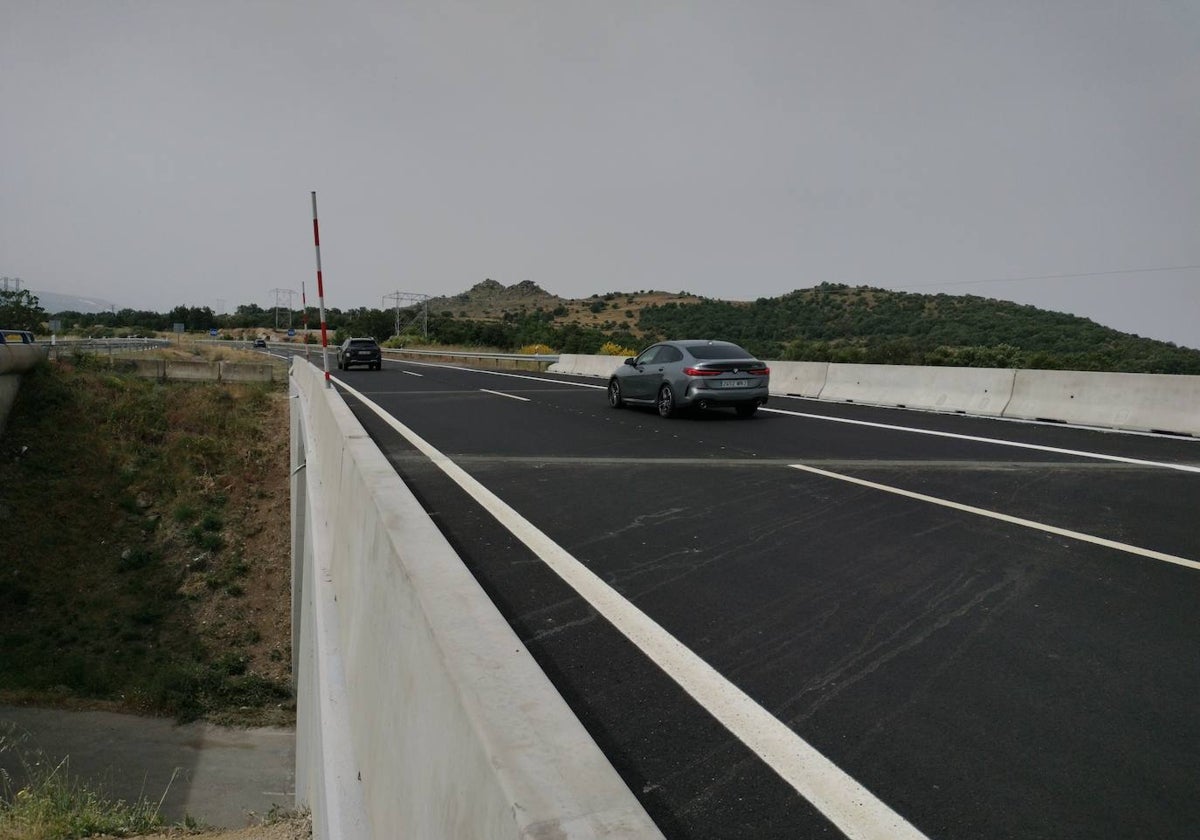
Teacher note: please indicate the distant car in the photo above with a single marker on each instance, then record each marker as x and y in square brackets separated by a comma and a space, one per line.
[16, 337]
[260, 342]
[699, 373]
[359, 351]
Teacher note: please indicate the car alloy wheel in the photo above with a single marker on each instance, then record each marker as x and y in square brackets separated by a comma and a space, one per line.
[614, 394]
[666, 401]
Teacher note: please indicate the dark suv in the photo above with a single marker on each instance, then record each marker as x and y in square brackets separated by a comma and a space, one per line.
[359, 351]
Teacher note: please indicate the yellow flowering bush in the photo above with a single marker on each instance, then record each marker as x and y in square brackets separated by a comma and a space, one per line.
[536, 350]
[611, 349]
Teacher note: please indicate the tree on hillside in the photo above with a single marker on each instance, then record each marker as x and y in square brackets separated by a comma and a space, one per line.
[20, 310]
[249, 315]
[193, 317]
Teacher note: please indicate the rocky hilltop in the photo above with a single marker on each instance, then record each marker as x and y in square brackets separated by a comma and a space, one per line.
[493, 301]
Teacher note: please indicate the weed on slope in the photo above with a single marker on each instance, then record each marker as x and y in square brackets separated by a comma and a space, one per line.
[144, 546]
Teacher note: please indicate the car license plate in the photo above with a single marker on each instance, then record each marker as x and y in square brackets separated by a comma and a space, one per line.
[734, 383]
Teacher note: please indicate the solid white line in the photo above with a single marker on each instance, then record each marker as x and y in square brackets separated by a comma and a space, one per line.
[1004, 517]
[891, 427]
[843, 801]
[411, 373]
[502, 394]
[996, 441]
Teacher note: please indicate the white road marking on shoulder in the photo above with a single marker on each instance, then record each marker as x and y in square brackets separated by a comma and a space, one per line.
[411, 373]
[842, 800]
[889, 426]
[996, 441]
[502, 394]
[1004, 517]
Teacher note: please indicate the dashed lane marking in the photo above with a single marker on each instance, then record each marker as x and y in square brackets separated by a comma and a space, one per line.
[1004, 517]
[889, 426]
[995, 441]
[839, 797]
[502, 394]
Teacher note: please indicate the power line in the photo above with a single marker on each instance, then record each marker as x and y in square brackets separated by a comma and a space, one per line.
[1060, 276]
[284, 297]
[421, 311]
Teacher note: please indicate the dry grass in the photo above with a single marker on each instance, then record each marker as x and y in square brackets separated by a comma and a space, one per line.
[150, 569]
[51, 804]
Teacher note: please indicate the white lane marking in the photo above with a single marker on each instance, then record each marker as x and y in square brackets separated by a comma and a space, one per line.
[411, 373]
[996, 441]
[1121, 459]
[1004, 517]
[502, 394]
[501, 373]
[843, 801]
[1023, 421]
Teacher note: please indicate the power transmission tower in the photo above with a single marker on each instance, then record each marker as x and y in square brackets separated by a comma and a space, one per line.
[421, 310]
[284, 297]
[10, 284]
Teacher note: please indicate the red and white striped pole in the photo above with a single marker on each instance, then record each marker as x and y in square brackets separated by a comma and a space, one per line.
[321, 292]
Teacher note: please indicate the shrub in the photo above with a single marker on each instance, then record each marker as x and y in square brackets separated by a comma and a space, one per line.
[611, 349]
[536, 350]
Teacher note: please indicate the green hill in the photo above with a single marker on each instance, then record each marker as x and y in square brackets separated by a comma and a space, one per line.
[861, 324]
[826, 323]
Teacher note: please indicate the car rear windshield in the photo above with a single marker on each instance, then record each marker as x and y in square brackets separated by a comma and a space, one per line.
[362, 342]
[718, 351]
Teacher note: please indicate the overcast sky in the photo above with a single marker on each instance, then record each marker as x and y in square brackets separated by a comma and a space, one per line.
[159, 153]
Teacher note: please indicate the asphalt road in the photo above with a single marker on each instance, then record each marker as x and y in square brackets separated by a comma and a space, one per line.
[222, 776]
[1020, 677]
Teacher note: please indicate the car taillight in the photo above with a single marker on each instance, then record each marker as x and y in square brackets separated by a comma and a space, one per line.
[762, 371]
[691, 371]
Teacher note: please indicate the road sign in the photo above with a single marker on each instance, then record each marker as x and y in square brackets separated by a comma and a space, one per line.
[291, 333]
[212, 331]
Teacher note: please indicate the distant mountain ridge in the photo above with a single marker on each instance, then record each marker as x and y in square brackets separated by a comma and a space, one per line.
[53, 303]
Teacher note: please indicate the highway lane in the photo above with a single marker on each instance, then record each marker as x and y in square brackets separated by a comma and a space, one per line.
[980, 677]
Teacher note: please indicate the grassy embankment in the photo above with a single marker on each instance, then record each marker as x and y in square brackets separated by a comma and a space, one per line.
[145, 546]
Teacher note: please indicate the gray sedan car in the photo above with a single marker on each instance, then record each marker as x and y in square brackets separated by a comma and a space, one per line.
[674, 375]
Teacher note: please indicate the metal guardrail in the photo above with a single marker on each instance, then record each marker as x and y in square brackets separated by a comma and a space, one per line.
[549, 358]
[103, 345]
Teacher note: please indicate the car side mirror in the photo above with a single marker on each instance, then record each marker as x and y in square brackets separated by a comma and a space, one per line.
[630, 361]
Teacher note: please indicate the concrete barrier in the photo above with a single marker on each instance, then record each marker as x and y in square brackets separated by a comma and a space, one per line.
[1138, 401]
[144, 368]
[18, 358]
[1134, 401]
[581, 365]
[431, 718]
[798, 379]
[192, 371]
[983, 391]
[15, 359]
[246, 372]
